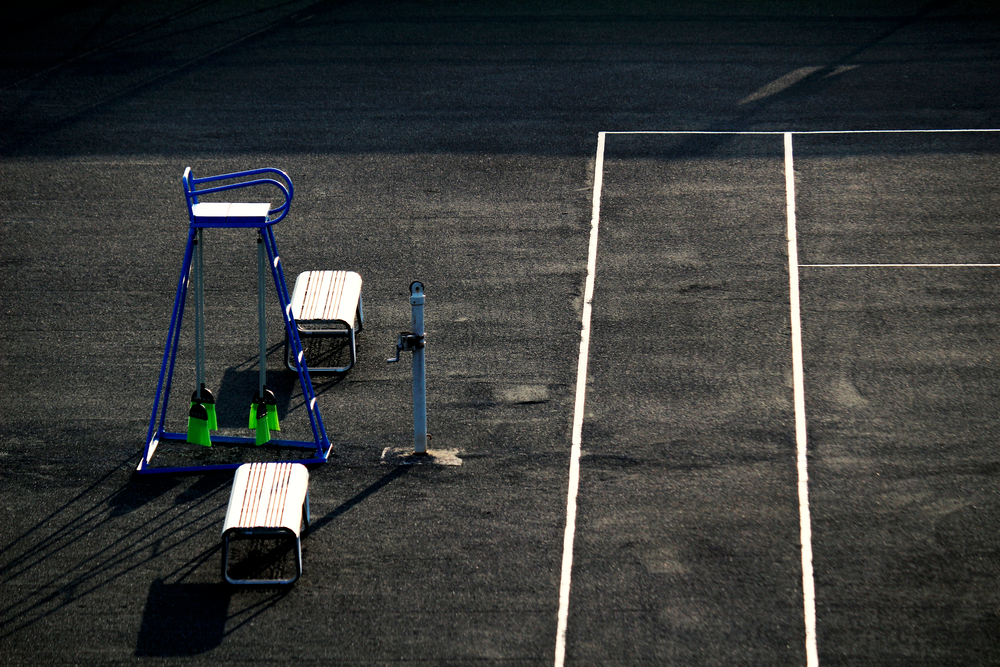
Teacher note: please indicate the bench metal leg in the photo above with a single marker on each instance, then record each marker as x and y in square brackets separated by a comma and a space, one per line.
[350, 334]
[261, 582]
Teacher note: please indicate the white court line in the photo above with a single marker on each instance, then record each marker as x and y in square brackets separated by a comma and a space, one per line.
[805, 522]
[990, 129]
[784, 132]
[581, 391]
[864, 266]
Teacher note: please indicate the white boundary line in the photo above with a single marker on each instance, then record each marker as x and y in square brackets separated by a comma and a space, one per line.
[801, 440]
[904, 266]
[581, 391]
[805, 521]
[784, 132]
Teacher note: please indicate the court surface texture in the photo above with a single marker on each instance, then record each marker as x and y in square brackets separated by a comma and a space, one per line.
[712, 330]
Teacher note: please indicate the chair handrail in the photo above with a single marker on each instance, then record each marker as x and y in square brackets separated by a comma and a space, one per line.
[192, 192]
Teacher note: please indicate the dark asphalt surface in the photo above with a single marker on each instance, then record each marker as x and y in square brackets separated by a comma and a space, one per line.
[455, 143]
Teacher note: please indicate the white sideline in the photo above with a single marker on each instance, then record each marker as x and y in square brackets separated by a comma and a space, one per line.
[805, 522]
[581, 391]
[890, 266]
[784, 132]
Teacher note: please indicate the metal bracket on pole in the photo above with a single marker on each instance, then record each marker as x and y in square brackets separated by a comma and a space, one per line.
[413, 341]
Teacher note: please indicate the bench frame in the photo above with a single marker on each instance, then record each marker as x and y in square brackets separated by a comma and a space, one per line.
[326, 304]
[268, 500]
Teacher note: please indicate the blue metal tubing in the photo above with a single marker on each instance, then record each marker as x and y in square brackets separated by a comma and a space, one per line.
[192, 194]
[189, 256]
[239, 440]
[220, 466]
[322, 443]
[156, 431]
[308, 394]
[170, 350]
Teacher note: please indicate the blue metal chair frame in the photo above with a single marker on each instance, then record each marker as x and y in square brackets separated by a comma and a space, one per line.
[265, 223]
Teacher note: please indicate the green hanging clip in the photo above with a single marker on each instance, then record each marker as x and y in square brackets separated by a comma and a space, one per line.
[197, 429]
[264, 415]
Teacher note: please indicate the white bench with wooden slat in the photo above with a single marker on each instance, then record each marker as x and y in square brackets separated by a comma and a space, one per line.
[268, 500]
[325, 304]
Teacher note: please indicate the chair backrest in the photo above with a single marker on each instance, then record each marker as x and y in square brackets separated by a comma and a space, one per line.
[192, 192]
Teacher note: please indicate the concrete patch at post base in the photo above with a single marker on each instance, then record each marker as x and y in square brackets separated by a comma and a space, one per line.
[406, 456]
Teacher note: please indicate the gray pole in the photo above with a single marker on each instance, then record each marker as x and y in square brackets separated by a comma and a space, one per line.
[261, 326]
[199, 313]
[419, 374]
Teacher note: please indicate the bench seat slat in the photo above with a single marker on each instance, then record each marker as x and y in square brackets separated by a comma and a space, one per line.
[267, 496]
[326, 296]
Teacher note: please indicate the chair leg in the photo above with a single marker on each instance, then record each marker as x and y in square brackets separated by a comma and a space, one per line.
[289, 362]
[354, 349]
[225, 559]
[298, 562]
[292, 364]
